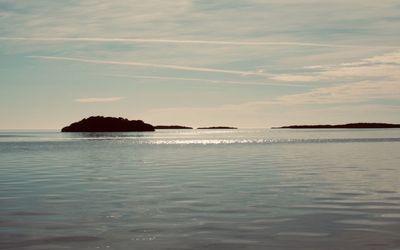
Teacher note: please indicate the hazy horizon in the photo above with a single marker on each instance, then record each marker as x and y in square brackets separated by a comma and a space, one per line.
[187, 125]
[248, 64]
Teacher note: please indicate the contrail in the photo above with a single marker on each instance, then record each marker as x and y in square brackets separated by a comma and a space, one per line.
[99, 99]
[153, 65]
[203, 80]
[183, 41]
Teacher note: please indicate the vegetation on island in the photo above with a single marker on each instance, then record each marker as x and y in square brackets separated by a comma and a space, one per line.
[218, 127]
[108, 124]
[114, 124]
[349, 125]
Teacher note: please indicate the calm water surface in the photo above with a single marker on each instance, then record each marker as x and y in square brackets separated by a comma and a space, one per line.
[183, 189]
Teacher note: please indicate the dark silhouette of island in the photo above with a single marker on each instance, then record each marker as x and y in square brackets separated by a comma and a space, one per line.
[108, 124]
[171, 127]
[349, 125]
[219, 127]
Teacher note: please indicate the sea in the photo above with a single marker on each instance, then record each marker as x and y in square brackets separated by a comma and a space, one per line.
[201, 189]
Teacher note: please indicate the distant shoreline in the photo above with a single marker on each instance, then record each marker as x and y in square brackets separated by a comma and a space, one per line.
[349, 126]
[171, 127]
[219, 127]
[119, 124]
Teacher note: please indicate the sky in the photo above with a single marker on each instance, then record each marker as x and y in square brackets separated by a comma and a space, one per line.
[247, 63]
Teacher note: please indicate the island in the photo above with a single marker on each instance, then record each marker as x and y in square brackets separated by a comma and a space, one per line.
[360, 125]
[108, 124]
[219, 127]
[171, 127]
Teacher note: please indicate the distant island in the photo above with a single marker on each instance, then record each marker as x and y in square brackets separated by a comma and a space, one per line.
[108, 124]
[219, 127]
[171, 127]
[349, 125]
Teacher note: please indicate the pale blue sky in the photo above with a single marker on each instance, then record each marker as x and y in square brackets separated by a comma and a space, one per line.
[247, 63]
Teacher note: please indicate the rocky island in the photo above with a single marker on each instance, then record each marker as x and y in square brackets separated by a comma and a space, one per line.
[219, 127]
[108, 124]
[171, 127]
[349, 125]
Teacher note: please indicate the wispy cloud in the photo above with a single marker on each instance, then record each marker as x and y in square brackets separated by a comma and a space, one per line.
[184, 41]
[381, 66]
[99, 99]
[154, 65]
[295, 78]
[205, 80]
[346, 93]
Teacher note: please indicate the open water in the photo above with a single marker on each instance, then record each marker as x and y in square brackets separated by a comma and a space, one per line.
[191, 189]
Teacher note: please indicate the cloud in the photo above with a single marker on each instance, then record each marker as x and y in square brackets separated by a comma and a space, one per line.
[153, 65]
[346, 93]
[368, 79]
[386, 66]
[99, 99]
[388, 58]
[295, 78]
[184, 41]
[204, 80]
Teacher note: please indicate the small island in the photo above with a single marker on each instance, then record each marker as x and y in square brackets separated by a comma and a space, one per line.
[171, 127]
[108, 124]
[219, 127]
[349, 125]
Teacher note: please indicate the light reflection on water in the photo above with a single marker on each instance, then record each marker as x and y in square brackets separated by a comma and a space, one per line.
[242, 189]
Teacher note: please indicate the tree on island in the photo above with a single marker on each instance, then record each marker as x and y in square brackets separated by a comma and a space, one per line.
[108, 124]
[349, 125]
